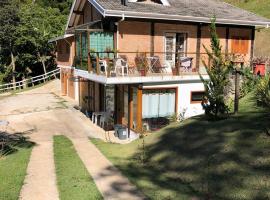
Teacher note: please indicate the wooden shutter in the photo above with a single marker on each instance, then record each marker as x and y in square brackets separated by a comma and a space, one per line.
[240, 45]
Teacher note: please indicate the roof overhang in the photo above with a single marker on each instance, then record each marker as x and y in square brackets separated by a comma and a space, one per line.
[61, 37]
[143, 15]
[158, 16]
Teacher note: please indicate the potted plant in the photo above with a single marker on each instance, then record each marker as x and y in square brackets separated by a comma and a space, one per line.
[259, 65]
[141, 63]
[174, 71]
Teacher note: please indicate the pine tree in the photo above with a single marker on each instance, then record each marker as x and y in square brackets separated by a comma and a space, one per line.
[218, 71]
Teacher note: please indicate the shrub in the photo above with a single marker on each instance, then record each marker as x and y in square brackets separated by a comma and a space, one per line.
[263, 92]
[249, 81]
[218, 71]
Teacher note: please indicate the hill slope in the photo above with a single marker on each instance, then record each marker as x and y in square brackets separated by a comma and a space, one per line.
[260, 7]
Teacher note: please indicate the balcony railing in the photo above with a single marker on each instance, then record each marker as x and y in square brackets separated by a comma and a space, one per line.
[121, 64]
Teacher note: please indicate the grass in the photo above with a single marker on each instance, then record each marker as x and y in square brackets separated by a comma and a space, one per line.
[73, 179]
[228, 159]
[260, 7]
[12, 172]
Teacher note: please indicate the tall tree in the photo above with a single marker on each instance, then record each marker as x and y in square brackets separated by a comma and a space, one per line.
[218, 71]
[37, 26]
[9, 21]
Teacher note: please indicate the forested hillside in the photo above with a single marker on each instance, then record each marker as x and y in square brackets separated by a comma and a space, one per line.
[26, 27]
[260, 7]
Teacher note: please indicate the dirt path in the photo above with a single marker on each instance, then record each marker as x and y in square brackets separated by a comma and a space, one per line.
[45, 114]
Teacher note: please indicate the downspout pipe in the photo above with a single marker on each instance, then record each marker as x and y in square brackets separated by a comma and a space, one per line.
[117, 32]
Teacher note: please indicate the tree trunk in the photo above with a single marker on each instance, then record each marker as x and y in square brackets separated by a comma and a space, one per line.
[43, 62]
[44, 66]
[236, 95]
[13, 70]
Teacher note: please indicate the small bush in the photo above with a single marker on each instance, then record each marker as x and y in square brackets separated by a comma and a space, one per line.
[263, 92]
[248, 83]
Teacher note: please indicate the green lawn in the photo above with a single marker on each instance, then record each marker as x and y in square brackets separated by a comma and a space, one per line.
[227, 159]
[12, 172]
[73, 179]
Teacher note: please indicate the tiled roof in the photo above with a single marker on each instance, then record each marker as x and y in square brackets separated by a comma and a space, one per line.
[191, 8]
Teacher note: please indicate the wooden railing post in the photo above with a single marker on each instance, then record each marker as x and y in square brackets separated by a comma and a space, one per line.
[97, 60]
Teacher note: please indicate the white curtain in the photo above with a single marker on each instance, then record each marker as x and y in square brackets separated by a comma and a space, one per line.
[158, 104]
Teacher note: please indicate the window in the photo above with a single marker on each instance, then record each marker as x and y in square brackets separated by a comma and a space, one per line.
[240, 45]
[175, 46]
[158, 103]
[197, 97]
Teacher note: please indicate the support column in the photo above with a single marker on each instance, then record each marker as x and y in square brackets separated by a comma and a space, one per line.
[198, 48]
[129, 109]
[227, 41]
[152, 46]
[252, 45]
[139, 110]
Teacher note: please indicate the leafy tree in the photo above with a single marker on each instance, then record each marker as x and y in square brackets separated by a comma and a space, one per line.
[218, 72]
[63, 5]
[37, 26]
[9, 21]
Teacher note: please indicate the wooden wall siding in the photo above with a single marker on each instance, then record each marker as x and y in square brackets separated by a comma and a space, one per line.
[65, 51]
[63, 83]
[71, 90]
[83, 92]
[245, 35]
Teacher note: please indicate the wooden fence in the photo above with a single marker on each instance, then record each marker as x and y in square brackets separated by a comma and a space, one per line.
[30, 81]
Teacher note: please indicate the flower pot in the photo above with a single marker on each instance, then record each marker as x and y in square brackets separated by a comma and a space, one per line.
[143, 72]
[259, 69]
[174, 71]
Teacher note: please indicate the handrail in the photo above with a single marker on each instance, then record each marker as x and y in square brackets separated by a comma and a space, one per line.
[13, 86]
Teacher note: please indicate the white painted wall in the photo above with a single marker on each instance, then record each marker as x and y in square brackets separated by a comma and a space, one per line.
[184, 97]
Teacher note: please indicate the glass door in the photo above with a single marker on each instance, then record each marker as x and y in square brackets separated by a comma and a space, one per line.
[181, 44]
[170, 44]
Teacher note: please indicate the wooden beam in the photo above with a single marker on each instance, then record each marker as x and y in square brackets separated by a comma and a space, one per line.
[139, 110]
[90, 68]
[152, 46]
[227, 41]
[198, 48]
[78, 12]
[130, 113]
[252, 45]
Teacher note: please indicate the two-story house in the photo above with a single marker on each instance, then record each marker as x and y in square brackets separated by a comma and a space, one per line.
[140, 60]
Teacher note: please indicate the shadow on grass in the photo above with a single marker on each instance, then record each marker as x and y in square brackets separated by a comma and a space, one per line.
[10, 143]
[227, 159]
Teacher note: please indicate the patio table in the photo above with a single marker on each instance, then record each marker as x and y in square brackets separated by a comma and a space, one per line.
[152, 60]
[95, 116]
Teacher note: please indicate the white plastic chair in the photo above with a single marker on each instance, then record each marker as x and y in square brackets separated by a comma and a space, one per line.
[103, 66]
[105, 118]
[122, 65]
[167, 67]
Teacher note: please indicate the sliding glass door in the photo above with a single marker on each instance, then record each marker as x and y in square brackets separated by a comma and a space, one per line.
[158, 103]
